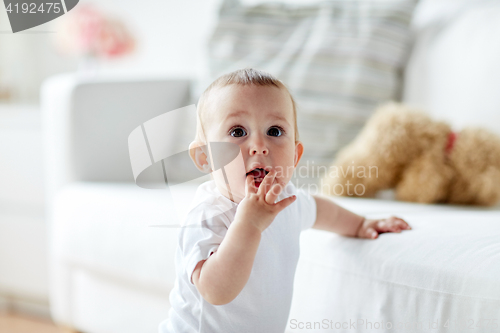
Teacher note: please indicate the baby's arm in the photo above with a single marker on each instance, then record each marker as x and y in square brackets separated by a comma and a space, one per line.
[331, 217]
[221, 277]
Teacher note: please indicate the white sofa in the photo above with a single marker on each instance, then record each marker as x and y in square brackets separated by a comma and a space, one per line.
[110, 271]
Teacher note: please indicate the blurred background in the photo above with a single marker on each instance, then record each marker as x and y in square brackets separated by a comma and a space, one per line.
[338, 58]
[170, 41]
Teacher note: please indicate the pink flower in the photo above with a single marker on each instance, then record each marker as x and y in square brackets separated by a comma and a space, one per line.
[114, 39]
[88, 32]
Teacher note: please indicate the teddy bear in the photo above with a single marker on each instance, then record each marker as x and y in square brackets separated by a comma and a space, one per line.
[423, 160]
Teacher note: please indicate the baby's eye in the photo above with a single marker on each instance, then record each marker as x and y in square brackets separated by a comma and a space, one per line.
[238, 132]
[274, 131]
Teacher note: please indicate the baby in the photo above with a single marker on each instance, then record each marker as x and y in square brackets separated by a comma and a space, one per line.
[239, 246]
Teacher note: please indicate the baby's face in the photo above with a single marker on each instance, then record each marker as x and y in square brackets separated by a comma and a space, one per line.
[260, 120]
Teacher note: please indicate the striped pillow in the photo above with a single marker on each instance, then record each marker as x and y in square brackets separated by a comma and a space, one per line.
[340, 59]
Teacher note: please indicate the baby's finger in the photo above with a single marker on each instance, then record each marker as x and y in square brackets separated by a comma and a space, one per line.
[387, 226]
[266, 183]
[396, 219]
[399, 222]
[273, 193]
[403, 224]
[285, 202]
[369, 233]
[250, 185]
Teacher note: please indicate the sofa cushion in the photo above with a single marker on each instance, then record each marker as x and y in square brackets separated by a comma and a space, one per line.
[446, 269]
[112, 228]
[87, 121]
[104, 231]
[128, 232]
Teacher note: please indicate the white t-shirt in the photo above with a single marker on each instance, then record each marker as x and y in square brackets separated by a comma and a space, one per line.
[264, 303]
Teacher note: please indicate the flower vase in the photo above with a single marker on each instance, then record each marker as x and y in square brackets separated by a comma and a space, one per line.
[88, 66]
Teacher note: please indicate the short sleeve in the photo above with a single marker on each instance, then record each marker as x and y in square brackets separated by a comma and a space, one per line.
[201, 236]
[306, 206]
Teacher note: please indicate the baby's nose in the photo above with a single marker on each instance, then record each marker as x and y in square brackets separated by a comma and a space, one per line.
[263, 151]
[259, 149]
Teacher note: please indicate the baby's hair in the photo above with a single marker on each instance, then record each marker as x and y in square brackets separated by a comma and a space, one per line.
[246, 76]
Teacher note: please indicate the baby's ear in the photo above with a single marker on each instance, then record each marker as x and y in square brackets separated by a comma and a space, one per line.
[198, 152]
[299, 150]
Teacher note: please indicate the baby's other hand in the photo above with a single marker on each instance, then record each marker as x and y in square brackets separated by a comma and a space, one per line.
[372, 228]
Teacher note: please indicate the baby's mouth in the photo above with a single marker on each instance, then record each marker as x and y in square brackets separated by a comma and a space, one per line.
[258, 175]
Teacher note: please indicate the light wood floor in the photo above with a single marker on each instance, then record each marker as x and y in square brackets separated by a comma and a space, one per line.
[16, 323]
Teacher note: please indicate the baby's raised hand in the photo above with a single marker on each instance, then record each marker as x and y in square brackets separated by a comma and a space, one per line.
[371, 228]
[258, 207]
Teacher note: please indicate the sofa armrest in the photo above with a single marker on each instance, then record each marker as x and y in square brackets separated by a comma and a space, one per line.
[87, 121]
